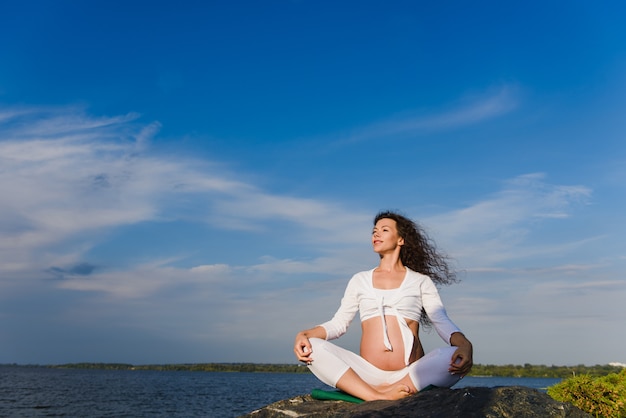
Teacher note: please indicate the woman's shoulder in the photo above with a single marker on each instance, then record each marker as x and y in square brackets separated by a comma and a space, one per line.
[363, 275]
[362, 278]
[415, 277]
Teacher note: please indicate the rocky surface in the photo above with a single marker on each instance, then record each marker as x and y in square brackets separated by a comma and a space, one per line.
[469, 402]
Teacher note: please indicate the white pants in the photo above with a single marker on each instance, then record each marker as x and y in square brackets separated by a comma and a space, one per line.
[330, 362]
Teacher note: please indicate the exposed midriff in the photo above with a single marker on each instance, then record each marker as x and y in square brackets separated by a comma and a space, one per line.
[373, 348]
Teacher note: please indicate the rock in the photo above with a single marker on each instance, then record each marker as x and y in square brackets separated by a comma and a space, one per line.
[468, 402]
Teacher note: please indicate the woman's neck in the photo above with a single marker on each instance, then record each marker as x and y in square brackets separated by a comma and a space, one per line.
[390, 263]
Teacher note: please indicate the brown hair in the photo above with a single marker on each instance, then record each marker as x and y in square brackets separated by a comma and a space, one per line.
[419, 253]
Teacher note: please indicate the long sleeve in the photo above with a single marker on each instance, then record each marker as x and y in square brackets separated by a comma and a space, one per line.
[436, 312]
[340, 322]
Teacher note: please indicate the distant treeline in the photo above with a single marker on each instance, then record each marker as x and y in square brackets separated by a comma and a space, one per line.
[530, 370]
[193, 367]
[527, 370]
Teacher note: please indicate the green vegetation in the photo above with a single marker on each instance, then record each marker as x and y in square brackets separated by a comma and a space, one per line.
[603, 396]
[107, 366]
[527, 370]
[192, 367]
[230, 367]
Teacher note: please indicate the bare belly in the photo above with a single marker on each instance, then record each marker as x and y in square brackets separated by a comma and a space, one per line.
[373, 347]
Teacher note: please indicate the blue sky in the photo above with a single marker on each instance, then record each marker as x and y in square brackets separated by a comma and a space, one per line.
[196, 181]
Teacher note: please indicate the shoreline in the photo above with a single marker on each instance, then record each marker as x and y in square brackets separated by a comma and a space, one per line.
[478, 370]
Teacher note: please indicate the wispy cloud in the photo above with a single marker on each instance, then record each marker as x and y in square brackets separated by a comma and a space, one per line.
[54, 122]
[469, 111]
[89, 176]
[68, 184]
[495, 229]
[67, 178]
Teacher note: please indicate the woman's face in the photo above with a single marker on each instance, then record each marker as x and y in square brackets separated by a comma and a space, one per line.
[385, 237]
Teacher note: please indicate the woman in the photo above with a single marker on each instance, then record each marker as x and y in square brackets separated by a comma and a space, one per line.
[392, 299]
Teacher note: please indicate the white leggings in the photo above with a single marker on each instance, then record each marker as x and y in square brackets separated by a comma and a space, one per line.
[330, 362]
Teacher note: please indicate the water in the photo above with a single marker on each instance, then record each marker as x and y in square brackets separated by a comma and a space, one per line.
[43, 392]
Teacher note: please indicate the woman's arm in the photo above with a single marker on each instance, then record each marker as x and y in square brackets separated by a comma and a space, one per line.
[332, 329]
[462, 361]
[302, 346]
[432, 304]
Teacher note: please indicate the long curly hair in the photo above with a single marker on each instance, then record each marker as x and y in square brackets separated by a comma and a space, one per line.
[420, 254]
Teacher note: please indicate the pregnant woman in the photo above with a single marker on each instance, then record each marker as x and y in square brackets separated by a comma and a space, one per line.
[392, 299]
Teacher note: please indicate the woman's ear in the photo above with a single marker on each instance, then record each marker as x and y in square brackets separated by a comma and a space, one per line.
[401, 241]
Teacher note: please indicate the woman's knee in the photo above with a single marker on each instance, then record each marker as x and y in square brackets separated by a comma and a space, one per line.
[433, 369]
[316, 342]
[325, 364]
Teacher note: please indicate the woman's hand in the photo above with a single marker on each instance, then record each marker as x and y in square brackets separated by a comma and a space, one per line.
[462, 359]
[302, 348]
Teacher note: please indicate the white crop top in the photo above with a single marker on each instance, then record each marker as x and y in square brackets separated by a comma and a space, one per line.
[416, 291]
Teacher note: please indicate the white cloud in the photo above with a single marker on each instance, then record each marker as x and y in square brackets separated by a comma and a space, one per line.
[56, 122]
[66, 182]
[95, 174]
[67, 178]
[146, 280]
[496, 229]
[471, 110]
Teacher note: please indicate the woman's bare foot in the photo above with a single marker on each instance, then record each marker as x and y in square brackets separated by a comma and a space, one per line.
[352, 384]
[396, 392]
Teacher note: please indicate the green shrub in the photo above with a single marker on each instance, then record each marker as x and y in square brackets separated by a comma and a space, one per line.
[601, 396]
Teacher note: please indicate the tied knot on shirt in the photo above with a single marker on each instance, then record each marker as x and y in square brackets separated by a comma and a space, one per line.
[381, 312]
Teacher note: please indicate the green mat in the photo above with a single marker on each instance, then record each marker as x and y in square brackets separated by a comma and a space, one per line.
[338, 395]
[334, 395]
